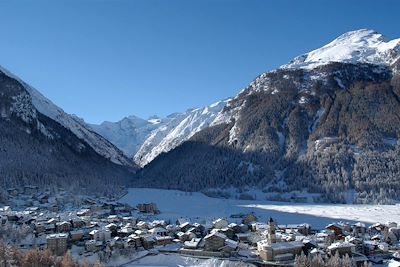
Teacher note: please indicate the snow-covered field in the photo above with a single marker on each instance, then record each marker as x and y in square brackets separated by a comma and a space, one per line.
[175, 204]
[162, 260]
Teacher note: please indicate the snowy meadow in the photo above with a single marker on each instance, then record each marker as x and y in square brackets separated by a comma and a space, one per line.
[198, 207]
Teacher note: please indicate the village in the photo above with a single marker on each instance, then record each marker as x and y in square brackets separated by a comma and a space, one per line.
[115, 233]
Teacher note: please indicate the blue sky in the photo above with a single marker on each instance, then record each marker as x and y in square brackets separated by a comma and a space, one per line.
[106, 59]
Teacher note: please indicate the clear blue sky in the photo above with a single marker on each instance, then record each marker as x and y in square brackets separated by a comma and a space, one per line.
[104, 60]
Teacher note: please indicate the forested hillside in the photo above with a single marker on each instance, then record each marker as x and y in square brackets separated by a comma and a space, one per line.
[329, 130]
[37, 150]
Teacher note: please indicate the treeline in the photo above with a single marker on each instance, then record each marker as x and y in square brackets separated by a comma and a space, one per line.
[36, 150]
[31, 159]
[319, 261]
[13, 257]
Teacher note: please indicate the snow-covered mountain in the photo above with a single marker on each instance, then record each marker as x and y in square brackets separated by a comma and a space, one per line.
[73, 123]
[178, 128]
[42, 145]
[130, 133]
[361, 46]
[146, 139]
[326, 122]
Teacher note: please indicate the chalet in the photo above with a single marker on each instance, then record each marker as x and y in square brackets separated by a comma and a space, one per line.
[228, 232]
[342, 248]
[182, 237]
[337, 230]
[40, 227]
[194, 231]
[77, 223]
[101, 234]
[142, 225]
[243, 237]
[52, 221]
[158, 223]
[126, 230]
[315, 251]
[50, 228]
[199, 227]
[129, 219]
[192, 244]
[113, 219]
[357, 242]
[185, 226]
[235, 228]
[113, 228]
[63, 227]
[76, 235]
[160, 231]
[214, 241]
[134, 241]
[148, 241]
[83, 212]
[163, 240]
[230, 247]
[181, 221]
[359, 229]
[393, 235]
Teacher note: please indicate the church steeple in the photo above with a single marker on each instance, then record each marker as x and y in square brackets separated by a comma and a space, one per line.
[271, 231]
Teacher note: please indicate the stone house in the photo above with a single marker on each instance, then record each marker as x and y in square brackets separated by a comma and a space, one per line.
[214, 241]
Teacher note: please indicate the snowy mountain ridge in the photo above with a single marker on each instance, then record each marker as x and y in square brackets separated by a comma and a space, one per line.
[129, 133]
[178, 129]
[146, 139]
[73, 123]
[360, 46]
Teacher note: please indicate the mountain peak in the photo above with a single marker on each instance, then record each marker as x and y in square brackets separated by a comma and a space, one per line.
[360, 46]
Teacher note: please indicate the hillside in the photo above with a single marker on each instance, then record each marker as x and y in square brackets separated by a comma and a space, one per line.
[327, 123]
[42, 145]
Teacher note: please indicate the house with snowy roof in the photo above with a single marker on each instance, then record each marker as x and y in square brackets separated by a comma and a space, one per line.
[214, 241]
[342, 248]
